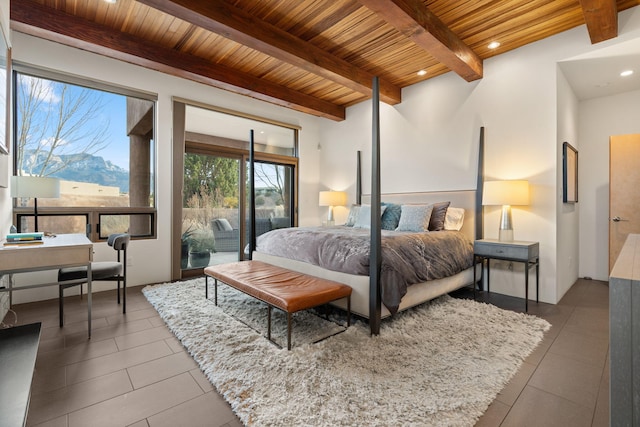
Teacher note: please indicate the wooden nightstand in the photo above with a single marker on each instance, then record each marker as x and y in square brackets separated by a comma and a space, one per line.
[516, 251]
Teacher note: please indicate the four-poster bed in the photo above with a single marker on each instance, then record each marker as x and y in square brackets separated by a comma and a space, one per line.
[367, 288]
[300, 246]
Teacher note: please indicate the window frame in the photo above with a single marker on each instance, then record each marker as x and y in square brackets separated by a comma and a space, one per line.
[92, 213]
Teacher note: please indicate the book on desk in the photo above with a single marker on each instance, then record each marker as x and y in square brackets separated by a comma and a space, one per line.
[24, 238]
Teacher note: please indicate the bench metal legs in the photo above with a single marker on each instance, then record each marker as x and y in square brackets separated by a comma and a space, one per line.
[269, 307]
[215, 287]
[269, 322]
[348, 311]
[269, 327]
[288, 331]
[289, 322]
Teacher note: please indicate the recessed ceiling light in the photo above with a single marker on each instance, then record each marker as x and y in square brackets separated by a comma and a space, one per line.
[422, 72]
[626, 73]
[110, 1]
[494, 45]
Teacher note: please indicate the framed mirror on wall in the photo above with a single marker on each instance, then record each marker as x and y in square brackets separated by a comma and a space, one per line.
[569, 174]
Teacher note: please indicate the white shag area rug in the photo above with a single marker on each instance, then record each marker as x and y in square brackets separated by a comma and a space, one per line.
[440, 364]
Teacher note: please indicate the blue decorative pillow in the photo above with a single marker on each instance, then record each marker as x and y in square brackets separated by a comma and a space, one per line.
[364, 216]
[391, 216]
[415, 218]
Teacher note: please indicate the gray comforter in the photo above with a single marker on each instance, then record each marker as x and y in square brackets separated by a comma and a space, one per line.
[407, 258]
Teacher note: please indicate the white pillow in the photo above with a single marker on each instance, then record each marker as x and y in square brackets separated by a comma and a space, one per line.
[415, 218]
[364, 216]
[454, 219]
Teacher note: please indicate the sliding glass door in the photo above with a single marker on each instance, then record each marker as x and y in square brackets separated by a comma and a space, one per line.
[211, 224]
[210, 210]
[273, 197]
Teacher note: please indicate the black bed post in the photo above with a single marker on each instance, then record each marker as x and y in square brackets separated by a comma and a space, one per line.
[358, 179]
[252, 199]
[375, 259]
[479, 217]
[479, 187]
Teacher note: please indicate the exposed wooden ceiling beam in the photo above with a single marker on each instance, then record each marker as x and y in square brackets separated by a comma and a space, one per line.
[415, 21]
[32, 18]
[601, 17]
[237, 25]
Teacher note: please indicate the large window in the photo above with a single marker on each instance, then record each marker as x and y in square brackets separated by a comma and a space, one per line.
[98, 142]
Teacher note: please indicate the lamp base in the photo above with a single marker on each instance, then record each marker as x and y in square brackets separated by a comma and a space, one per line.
[505, 235]
[330, 215]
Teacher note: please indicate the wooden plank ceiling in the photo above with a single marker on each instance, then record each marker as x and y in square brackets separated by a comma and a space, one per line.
[314, 56]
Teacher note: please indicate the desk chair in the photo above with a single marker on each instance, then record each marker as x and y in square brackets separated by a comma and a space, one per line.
[100, 271]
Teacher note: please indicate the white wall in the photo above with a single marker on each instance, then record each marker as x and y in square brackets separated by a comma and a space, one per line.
[599, 119]
[151, 258]
[429, 142]
[567, 238]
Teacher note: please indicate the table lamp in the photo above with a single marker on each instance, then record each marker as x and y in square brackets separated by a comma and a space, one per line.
[505, 194]
[331, 199]
[35, 186]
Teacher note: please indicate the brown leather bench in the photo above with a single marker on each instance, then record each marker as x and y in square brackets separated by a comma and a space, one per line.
[278, 287]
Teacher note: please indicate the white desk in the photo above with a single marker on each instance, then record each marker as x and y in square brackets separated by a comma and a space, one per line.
[64, 250]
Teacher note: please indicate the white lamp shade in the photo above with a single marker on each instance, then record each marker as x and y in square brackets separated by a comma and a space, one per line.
[332, 198]
[500, 193]
[35, 187]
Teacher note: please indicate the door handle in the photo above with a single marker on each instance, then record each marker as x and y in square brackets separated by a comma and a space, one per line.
[618, 219]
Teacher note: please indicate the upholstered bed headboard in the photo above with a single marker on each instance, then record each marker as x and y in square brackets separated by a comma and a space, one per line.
[459, 199]
[470, 200]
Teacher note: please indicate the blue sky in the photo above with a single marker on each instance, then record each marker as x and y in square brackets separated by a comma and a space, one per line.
[47, 96]
[117, 151]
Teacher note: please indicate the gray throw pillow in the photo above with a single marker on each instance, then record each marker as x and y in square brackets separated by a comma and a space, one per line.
[436, 223]
[415, 218]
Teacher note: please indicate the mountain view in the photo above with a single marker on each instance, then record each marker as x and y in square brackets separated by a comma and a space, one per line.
[82, 168]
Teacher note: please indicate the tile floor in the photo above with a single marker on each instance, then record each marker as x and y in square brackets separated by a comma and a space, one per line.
[133, 372]
[565, 381]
